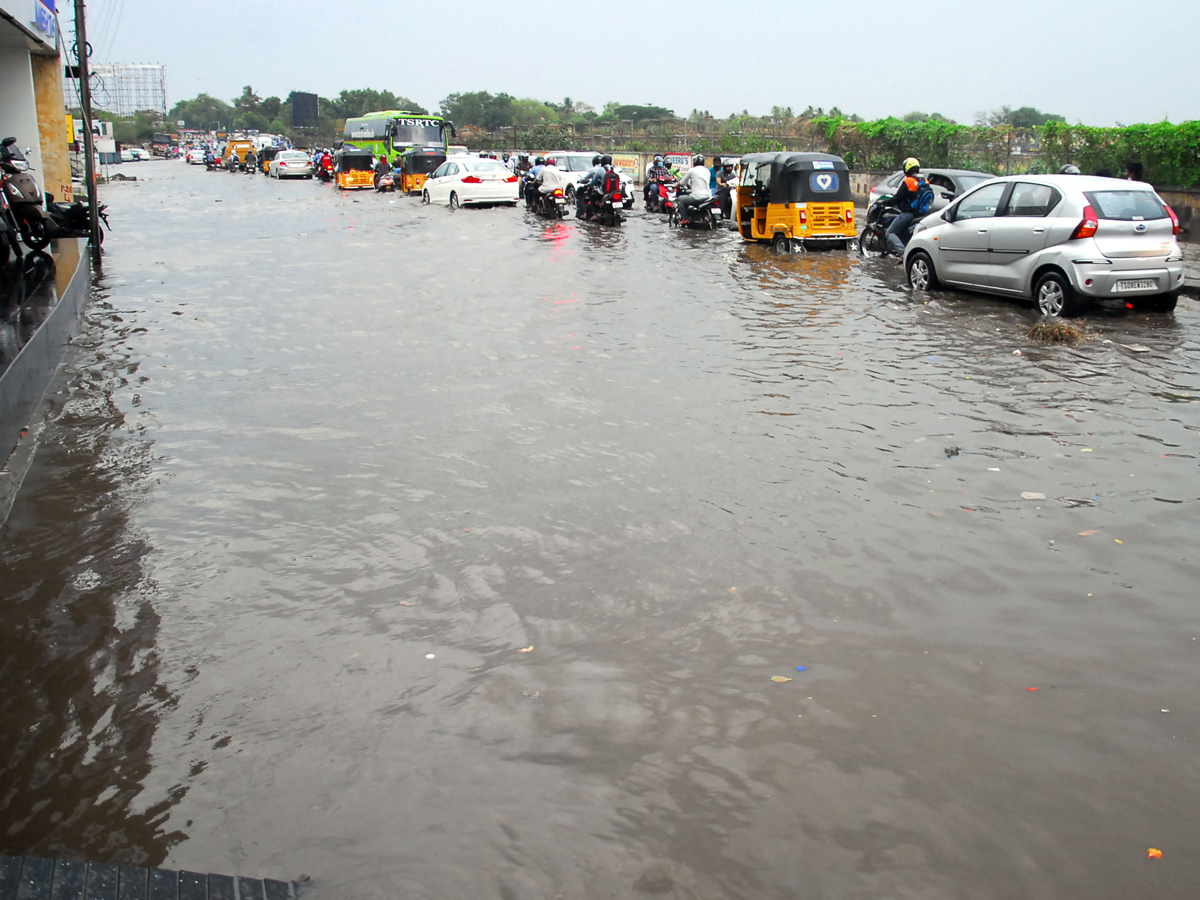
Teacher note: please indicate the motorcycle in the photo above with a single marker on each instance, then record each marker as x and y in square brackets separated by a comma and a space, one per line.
[701, 215]
[38, 223]
[880, 216]
[599, 205]
[662, 195]
[553, 204]
[9, 245]
[527, 190]
[325, 170]
[384, 183]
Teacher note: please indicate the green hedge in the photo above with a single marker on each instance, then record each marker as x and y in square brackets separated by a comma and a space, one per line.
[1170, 153]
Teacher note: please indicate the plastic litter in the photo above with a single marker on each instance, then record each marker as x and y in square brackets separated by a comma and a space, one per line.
[780, 679]
[429, 656]
[1153, 853]
[801, 668]
[1033, 495]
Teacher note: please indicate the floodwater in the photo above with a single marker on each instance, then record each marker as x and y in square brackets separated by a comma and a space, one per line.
[443, 555]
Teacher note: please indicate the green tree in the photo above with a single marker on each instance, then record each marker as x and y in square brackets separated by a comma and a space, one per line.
[479, 108]
[203, 111]
[527, 112]
[623, 112]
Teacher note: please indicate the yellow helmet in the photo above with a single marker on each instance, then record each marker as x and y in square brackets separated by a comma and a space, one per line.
[911, 163]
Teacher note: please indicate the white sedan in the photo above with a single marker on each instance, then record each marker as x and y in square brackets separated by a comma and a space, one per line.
[195, 157]
[470, 181]
[290, 164]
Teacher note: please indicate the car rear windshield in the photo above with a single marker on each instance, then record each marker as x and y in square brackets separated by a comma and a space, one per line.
[1127, 206]
[483, 165]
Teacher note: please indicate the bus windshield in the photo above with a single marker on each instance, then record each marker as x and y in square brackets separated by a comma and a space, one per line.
[417, 132]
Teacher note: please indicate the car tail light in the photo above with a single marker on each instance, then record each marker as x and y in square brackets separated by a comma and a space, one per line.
[472, 179]
[1174, 221]
[283, 165]
[1088, 226]
[511, 178]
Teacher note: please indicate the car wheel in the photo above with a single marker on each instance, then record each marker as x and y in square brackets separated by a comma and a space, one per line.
[454, 204]
[1054, 296]
[781, 244]
[570, 194]
[921, 274]
[425, 197]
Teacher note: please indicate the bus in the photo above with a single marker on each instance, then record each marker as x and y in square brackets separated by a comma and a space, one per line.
[396, 130]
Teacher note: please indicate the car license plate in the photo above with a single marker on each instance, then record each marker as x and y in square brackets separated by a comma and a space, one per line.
[1136, 284]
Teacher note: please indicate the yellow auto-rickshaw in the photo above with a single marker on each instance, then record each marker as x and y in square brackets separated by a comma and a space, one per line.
[355, 168]
[788, 197]
[416, 166]
[265, 155]
[238, 149]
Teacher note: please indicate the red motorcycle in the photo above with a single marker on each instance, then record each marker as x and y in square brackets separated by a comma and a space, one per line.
[662, 195]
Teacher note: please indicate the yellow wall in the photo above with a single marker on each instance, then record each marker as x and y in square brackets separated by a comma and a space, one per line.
[52, 126]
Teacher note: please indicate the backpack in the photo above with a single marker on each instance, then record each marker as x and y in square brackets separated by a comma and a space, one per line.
[612, 181]
[924, 198]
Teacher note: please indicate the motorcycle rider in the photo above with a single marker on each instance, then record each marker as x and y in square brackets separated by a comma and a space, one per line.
[251, 160]
[531, 176]
[903, 200]
[508, 161]
[382, 168]
[657, 172]
[726, 185]
[591, 178]
[693, 188]
[551, 178]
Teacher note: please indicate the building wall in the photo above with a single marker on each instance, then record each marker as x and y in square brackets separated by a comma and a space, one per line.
[18, 111]
[52, 117]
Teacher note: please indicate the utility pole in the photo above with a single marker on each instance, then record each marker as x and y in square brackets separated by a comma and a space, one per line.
[85, 101]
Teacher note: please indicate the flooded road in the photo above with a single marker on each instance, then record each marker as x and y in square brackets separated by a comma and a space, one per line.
[445, 555]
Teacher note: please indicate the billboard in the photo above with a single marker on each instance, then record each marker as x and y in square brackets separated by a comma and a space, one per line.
[304, 110]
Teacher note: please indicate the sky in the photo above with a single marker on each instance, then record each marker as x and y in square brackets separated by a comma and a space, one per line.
[1101, 62]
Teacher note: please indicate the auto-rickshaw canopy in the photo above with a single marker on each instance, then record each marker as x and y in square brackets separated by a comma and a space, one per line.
[798, 177]
[421, 162]
[355, 160]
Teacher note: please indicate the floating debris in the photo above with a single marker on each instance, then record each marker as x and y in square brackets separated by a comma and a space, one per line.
[1054, 333]
[780, 679]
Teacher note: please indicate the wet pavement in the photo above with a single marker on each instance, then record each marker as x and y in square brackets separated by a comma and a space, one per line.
[437, 554]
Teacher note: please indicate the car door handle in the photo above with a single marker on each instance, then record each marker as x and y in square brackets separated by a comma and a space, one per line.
[1038, 230]
[983, 231]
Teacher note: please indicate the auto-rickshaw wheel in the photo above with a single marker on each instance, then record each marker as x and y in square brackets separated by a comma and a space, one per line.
[781, 244]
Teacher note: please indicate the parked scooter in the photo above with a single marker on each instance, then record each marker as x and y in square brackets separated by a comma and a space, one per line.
[38, 223]
[9, 244]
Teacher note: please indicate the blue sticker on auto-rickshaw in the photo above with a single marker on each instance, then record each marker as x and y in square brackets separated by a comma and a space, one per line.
[822, 163]
[824, 182]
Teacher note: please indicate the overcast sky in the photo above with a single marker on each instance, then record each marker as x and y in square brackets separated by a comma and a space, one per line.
[1100, 62]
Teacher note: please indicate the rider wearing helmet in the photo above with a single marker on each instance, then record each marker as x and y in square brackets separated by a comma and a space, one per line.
[550, 178]
[694, 187]
[657, 172]
[903, 201]
[1069, 169]
[593, 178]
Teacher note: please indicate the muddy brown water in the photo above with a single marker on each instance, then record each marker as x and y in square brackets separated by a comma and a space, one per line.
[307, 439]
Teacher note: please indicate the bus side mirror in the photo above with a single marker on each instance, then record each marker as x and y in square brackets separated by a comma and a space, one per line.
[450, 125]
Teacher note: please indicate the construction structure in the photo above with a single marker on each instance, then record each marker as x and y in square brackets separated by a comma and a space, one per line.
[123, 89]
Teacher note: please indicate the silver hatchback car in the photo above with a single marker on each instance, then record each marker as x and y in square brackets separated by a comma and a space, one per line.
[1063, 241]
